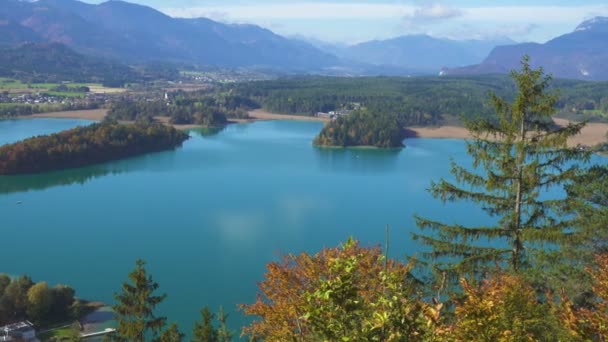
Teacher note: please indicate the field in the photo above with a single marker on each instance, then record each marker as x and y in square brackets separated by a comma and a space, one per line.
[16, 86]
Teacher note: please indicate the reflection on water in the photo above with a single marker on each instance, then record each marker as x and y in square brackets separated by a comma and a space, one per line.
[363, 160]
[11, 184]
[206, 131]
[153, 162]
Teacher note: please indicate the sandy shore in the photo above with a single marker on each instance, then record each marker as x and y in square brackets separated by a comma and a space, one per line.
[260, 114]
[592, 134]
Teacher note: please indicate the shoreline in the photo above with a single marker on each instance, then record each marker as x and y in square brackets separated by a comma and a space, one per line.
[591, 135]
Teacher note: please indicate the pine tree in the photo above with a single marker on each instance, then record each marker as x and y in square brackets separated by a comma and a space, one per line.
[172, 334]
[204, 331]
[134, 308]
[520, 154]
[591, 206]
[223, 333]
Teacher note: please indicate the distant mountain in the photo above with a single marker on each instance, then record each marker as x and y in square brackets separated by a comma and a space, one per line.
[582, 54]
[420, 52]
[137, 33]
[12, 33]
[54, 62]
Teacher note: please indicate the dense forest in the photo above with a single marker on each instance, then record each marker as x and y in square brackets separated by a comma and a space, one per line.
[201, 108]
[88, 145]
[362, 128]
[21, 298]
[414, 101]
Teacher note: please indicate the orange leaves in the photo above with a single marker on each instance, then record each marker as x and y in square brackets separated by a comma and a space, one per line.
[345, 293]
[591, 323]
[350, 294]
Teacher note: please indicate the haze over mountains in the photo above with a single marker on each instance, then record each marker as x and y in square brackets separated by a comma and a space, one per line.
[421, 52]
[133, 34]
[581, 54]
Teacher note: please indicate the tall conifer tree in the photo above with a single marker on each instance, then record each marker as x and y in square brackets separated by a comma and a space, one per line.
[516, 156]
[134, 308]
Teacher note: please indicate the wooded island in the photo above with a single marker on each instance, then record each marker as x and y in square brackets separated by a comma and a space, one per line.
[88, 145]
[362, 128]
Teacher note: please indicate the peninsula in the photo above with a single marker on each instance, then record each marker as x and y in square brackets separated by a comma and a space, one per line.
[82, 146]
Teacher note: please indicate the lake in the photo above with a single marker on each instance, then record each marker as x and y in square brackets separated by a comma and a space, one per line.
[207, 217]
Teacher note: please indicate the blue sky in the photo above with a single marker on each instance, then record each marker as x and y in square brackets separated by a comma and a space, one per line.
[352, 21]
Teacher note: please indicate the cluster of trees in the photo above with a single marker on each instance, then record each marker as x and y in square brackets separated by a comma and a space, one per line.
[362, 128]
[22, 299]
[185, 108]
[414, 101]
[88, 145]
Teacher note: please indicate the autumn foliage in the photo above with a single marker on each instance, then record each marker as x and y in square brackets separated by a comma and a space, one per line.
[340, 294]
[353, 293]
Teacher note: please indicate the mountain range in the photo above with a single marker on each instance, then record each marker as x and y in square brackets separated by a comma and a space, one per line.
[134, 34]
[421, 52]
[581, 54]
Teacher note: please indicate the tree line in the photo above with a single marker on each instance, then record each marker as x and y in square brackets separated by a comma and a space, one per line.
[82, 146]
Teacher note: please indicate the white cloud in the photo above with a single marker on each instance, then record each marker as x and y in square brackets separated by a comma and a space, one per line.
[429, 14]
[435, 12]
[239, 226]
[312, 10]
[302, 10]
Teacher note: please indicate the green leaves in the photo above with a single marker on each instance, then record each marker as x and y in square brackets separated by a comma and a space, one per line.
[515, 159]
[134, 308]
[340, 294]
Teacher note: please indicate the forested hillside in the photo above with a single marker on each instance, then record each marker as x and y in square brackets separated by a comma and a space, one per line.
[41, 63]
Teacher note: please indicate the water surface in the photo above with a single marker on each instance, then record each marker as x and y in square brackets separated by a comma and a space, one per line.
[207, 217]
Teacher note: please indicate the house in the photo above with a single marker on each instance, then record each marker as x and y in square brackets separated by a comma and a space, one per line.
[18, 332]
[333, 114]
[325, 115]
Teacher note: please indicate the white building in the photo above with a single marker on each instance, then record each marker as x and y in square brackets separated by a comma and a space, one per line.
[18, 332]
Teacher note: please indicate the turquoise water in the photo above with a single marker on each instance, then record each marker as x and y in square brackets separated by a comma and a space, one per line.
[209, 216]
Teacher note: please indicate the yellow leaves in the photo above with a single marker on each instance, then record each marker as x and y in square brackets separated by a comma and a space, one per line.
[347, 294]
